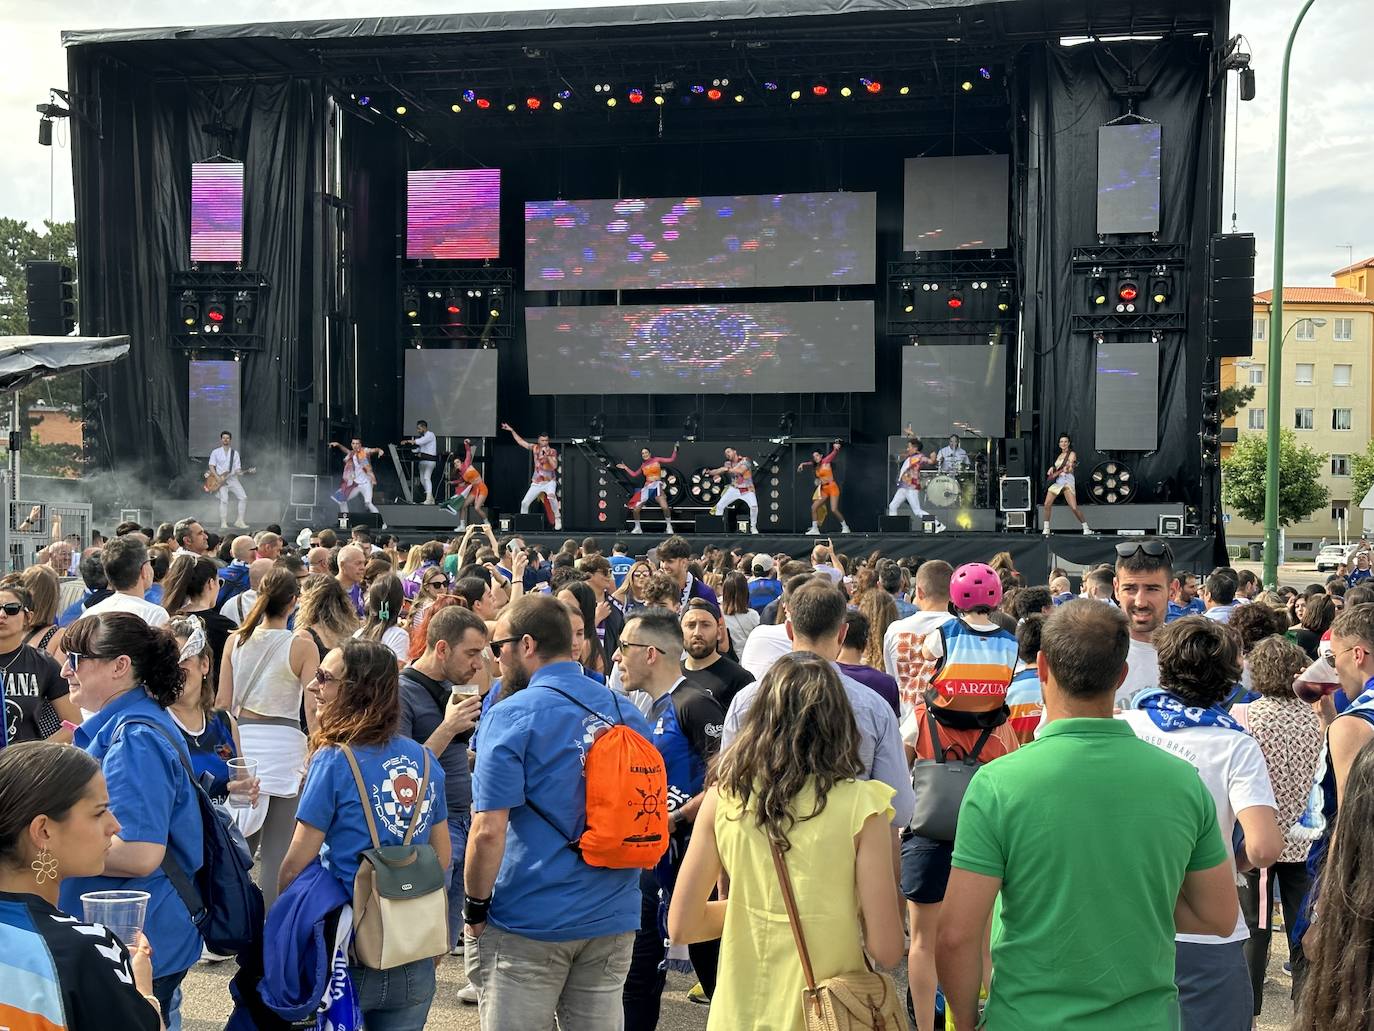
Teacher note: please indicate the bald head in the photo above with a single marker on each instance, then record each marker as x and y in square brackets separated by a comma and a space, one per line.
[242, 549]
[318, 559]
[257, 569]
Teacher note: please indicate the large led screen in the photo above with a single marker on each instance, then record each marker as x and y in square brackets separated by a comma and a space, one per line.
[453, 391]
[818, 346]
[1127, 396]
[453, 213]
[213, 404]
[956, 203]
[217, 211]
[1128, 178]
[780, 239]
[954, 388]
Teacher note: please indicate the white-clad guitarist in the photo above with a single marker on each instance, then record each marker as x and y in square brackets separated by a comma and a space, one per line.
[223, 477]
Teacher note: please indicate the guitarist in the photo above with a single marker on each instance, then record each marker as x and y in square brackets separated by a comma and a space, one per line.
[223, 476]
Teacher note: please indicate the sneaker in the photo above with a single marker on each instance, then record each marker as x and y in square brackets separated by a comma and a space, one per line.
[241, 524]
[224, 526]
[1045, 528]
[815, 531]
[670, 528]
[1086, 529]
[429, 499]
[458, 949]
[468, 994]
[698, 995]
[753, 529]
[558, 526]
[639, 529]
[844, 528]
[206, 956]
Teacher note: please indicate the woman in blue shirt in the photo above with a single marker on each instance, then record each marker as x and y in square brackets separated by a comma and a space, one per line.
[359, 706]
[126, 674]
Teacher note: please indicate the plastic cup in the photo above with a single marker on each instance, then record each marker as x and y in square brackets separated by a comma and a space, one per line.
[241, 769]
[121, 912]
[465, 690]
[1316, 681]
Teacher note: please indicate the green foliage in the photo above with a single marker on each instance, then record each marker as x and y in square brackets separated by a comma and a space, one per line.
[1361, 474]
[1300, 490]
[1233, 399]
[20, 244]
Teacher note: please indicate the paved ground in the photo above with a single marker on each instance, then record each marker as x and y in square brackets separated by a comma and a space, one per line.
[207, 1000]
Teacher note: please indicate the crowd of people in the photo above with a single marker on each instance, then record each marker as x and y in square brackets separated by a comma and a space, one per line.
[1153, 768]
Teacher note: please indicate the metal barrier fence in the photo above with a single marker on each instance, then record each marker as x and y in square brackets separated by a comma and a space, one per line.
[30, 525]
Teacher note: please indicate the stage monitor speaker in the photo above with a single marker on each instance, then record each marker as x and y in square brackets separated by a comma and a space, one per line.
[1016, 520]
[1231, 295]
[1014, 456]
[530, 522]
[1014, 494]
[710, 524]
[1171, 526]
[894, 524]
[372, 520]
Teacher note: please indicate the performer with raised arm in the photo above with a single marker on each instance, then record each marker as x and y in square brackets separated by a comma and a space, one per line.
[651, 469]
[741, 488]
[427, 454]
[1060, 475]
[827, 490]
[469, 490]
[222, 477]
[358, 477]
[909, 477]
[545, 479]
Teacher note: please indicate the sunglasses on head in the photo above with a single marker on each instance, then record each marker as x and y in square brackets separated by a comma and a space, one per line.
[1153, 549]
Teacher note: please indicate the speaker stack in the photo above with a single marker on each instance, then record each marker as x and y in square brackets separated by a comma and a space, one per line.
[1231, 295]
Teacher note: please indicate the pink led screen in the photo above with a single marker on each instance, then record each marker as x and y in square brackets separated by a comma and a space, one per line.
[453, 213]
[217, 211]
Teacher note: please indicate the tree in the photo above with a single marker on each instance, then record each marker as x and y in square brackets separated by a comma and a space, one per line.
[1300, 491]
[1361, 474]
[1233, 399]
[20, 244]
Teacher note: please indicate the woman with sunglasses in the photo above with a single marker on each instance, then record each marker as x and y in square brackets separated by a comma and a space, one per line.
[36, 701]
[127, 674]
[433, 584]
[358, 700]
[260, 684]
[629, 596]
[55, 823]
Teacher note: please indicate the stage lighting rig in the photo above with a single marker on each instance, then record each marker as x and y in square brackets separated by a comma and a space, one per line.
[190, 308]
[245, 305]
[908, 298]
[954, 300]
[410, 303]
[1161, 288]
[1112, 483]
[1003, 297]
[453, 304]
[1127, 292]
[1097, 289]
[213, 313]
[495, 310]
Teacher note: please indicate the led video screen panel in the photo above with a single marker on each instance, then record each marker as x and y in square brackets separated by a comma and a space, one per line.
[214, 405]
[817, 346]
[1127, 396]
[786, 239]
[1128, 178]
[453, 391]
[956, 203]
[952, 388]
[453, 213]
[217, 211]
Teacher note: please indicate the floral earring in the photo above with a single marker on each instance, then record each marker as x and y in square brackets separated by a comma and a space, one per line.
[44, 867]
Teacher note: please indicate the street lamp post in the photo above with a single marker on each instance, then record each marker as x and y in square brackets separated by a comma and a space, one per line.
[1271, 467]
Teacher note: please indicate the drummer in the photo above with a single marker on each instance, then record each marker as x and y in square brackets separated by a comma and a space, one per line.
[952, 459]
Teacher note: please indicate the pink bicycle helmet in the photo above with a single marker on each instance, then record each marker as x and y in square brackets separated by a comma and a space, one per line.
[974, 584]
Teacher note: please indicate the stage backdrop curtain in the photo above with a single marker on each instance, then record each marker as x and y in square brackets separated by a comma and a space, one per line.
[1068, 96]
[132, 190]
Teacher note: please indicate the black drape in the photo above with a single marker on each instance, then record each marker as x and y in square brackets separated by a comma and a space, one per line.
[132, 191]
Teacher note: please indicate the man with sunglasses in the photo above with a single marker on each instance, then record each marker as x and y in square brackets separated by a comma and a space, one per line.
[1141, 588]
[33, 692]
[687, 723]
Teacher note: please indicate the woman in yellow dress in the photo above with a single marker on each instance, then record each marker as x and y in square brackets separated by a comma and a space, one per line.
[789, 778]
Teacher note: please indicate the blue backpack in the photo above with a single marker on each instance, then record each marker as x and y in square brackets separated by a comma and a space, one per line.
[224, 903]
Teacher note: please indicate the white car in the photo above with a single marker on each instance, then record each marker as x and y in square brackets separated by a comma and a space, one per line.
[1333, 555]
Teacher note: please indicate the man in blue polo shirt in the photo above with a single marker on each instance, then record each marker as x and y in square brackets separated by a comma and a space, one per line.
[562, 930]
[621, 562]
[687, 724]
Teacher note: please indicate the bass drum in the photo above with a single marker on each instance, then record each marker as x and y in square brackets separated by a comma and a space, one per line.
[943, 491]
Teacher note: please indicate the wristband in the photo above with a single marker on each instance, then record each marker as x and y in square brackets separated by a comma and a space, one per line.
[475, 910]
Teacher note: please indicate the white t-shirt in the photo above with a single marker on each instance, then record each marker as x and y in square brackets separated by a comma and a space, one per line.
[224, 460]
[1231, 765]
[237, 607]
[425, 444]
[153, 615]
[1142, 670]
[394, 638]
[765, 646]
[902, 657]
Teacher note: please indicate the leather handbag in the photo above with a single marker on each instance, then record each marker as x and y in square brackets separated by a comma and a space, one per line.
[862, 1000]
[400, 904]
[940, 786]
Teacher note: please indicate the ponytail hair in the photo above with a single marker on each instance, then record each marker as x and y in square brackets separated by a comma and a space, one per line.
[38, 778]
[276, 594]
[383, 606]
[152, 651]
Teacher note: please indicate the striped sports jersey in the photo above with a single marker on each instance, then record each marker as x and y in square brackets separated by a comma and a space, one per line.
[977, 667]
[1026, 700]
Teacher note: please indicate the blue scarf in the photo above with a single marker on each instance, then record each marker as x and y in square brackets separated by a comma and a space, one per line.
[1169, 713]
[1364, 703]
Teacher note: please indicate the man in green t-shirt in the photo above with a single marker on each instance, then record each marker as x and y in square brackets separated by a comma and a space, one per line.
[1102, 847]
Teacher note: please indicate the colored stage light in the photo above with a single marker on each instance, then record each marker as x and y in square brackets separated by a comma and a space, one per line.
[985, 73]
[1097, 291]
[966, 85]
[1003, 300]
[483, 103]
[610, 101]
[214, 310]
[453, 302]
[510, 106]
[1127, 290]
[456, 108]
[411, 303]
[873, 87]
[495, 310]
[739, 98]
[820, 89]
[795, 94]
[658, 99]
[533, 103]
[904, 90]
[698, 88]
[713, 94]
[469, 95]
[636, 96]
[770, 86]
[190, 308]
[364, 100]
[564, 94]
[558, 105]
[400, 109]
[908, 298]
[955, 300]
[845, 91]
[1160, 290]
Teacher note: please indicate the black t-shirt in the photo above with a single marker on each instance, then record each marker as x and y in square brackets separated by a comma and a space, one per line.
[31, 679]
[78, 975]
[724, 679]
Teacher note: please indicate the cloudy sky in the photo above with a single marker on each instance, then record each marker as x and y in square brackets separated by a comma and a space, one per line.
[1331, 112]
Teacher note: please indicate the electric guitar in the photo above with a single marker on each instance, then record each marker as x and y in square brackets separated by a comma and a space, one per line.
[213, 481]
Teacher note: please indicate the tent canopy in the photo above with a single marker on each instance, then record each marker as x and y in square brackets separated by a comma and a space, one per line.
[25, 359]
